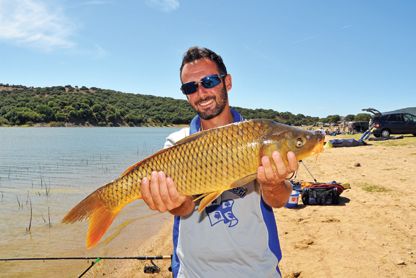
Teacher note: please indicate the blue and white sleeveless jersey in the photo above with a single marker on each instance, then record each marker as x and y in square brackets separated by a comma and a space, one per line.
[235, 236]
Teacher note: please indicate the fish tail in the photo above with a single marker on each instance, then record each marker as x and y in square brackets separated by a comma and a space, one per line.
[99, 222]
[99, 214]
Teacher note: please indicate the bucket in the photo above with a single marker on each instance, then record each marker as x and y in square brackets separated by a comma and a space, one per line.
[293, 200]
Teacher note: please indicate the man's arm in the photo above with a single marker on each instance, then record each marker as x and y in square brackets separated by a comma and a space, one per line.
[274, 187]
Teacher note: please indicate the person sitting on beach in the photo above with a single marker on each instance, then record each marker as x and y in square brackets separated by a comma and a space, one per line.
[235, 236]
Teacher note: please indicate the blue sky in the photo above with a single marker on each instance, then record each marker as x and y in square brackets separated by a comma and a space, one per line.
[312, 57]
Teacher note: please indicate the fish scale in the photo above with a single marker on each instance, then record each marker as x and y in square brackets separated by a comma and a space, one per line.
[207, 163]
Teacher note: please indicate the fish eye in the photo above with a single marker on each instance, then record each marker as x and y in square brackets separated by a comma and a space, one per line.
[299, 142]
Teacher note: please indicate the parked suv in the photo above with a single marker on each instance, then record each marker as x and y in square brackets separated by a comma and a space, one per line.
[388, 123]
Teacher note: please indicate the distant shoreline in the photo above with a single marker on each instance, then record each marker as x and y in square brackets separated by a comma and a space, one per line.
[82, 106]
[87, 126]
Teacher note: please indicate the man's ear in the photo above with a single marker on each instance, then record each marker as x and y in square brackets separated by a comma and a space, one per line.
[228, 82]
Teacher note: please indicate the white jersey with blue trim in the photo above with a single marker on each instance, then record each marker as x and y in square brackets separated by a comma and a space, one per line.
[235, 236]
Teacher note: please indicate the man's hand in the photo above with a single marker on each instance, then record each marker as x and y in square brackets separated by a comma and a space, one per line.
[161, 194]
[272, 175]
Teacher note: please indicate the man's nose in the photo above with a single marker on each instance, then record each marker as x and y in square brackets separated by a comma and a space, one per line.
[201, 89]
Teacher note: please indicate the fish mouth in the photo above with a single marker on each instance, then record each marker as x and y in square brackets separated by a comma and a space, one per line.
[319, 147]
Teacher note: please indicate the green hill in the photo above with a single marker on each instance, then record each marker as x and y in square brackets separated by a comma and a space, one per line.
[67, 106]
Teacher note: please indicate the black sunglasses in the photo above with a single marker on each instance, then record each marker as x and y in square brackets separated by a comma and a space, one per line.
[207, 82]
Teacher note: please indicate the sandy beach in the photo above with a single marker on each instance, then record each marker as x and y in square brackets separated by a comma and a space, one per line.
[371, 233]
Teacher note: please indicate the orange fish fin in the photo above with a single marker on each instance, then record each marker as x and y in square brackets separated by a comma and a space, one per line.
[208, 200]
[200, 196]
[84, 209]
[99, 215]
[100, 221]
[244, 180]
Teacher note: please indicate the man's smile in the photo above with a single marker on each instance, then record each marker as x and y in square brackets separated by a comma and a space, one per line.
[205, 103]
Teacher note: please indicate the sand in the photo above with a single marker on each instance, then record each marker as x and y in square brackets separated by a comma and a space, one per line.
[370, 234]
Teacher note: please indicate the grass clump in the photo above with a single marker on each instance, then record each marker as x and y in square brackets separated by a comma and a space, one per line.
[373, 188]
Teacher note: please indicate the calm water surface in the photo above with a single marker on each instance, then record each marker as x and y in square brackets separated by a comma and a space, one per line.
[46, 171]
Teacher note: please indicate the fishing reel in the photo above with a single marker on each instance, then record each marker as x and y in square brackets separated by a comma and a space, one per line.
[151, 269]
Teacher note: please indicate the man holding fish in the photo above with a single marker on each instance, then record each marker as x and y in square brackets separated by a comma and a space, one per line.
[236, 235]
[220, 177]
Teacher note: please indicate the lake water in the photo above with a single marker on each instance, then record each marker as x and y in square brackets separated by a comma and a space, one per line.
[47, 171]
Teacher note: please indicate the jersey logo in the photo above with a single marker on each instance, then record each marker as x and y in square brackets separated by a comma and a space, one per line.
[222, 212]
[240, 191]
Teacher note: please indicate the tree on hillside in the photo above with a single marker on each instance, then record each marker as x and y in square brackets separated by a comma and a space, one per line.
[95, 106]
[23, 115]
[362, 117]
[46, 113]
[349, 118]
[332, 119]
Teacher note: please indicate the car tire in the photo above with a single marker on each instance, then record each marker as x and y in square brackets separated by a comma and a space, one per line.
[385, 133]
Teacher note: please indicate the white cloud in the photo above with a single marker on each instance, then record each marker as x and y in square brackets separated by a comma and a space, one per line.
[35, 23]
[164, 5]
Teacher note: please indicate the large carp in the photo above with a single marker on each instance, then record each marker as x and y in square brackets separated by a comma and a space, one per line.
[208, 163]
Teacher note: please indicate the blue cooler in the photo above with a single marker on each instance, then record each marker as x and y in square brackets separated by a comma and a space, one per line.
[293, 200]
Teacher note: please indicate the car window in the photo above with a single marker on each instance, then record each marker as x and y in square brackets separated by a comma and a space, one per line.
[409, 118]
[394, 118]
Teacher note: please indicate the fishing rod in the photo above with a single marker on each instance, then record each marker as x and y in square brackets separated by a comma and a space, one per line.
[308, 170]
[141, 258]
[147, 269]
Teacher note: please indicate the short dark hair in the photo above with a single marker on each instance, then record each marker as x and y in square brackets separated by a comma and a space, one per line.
[195, 53]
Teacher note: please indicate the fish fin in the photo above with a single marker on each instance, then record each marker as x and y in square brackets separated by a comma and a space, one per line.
[244, 180]
[201, 196]
[100, 216]
[99, 222]
[208, 200]
[83, 209]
